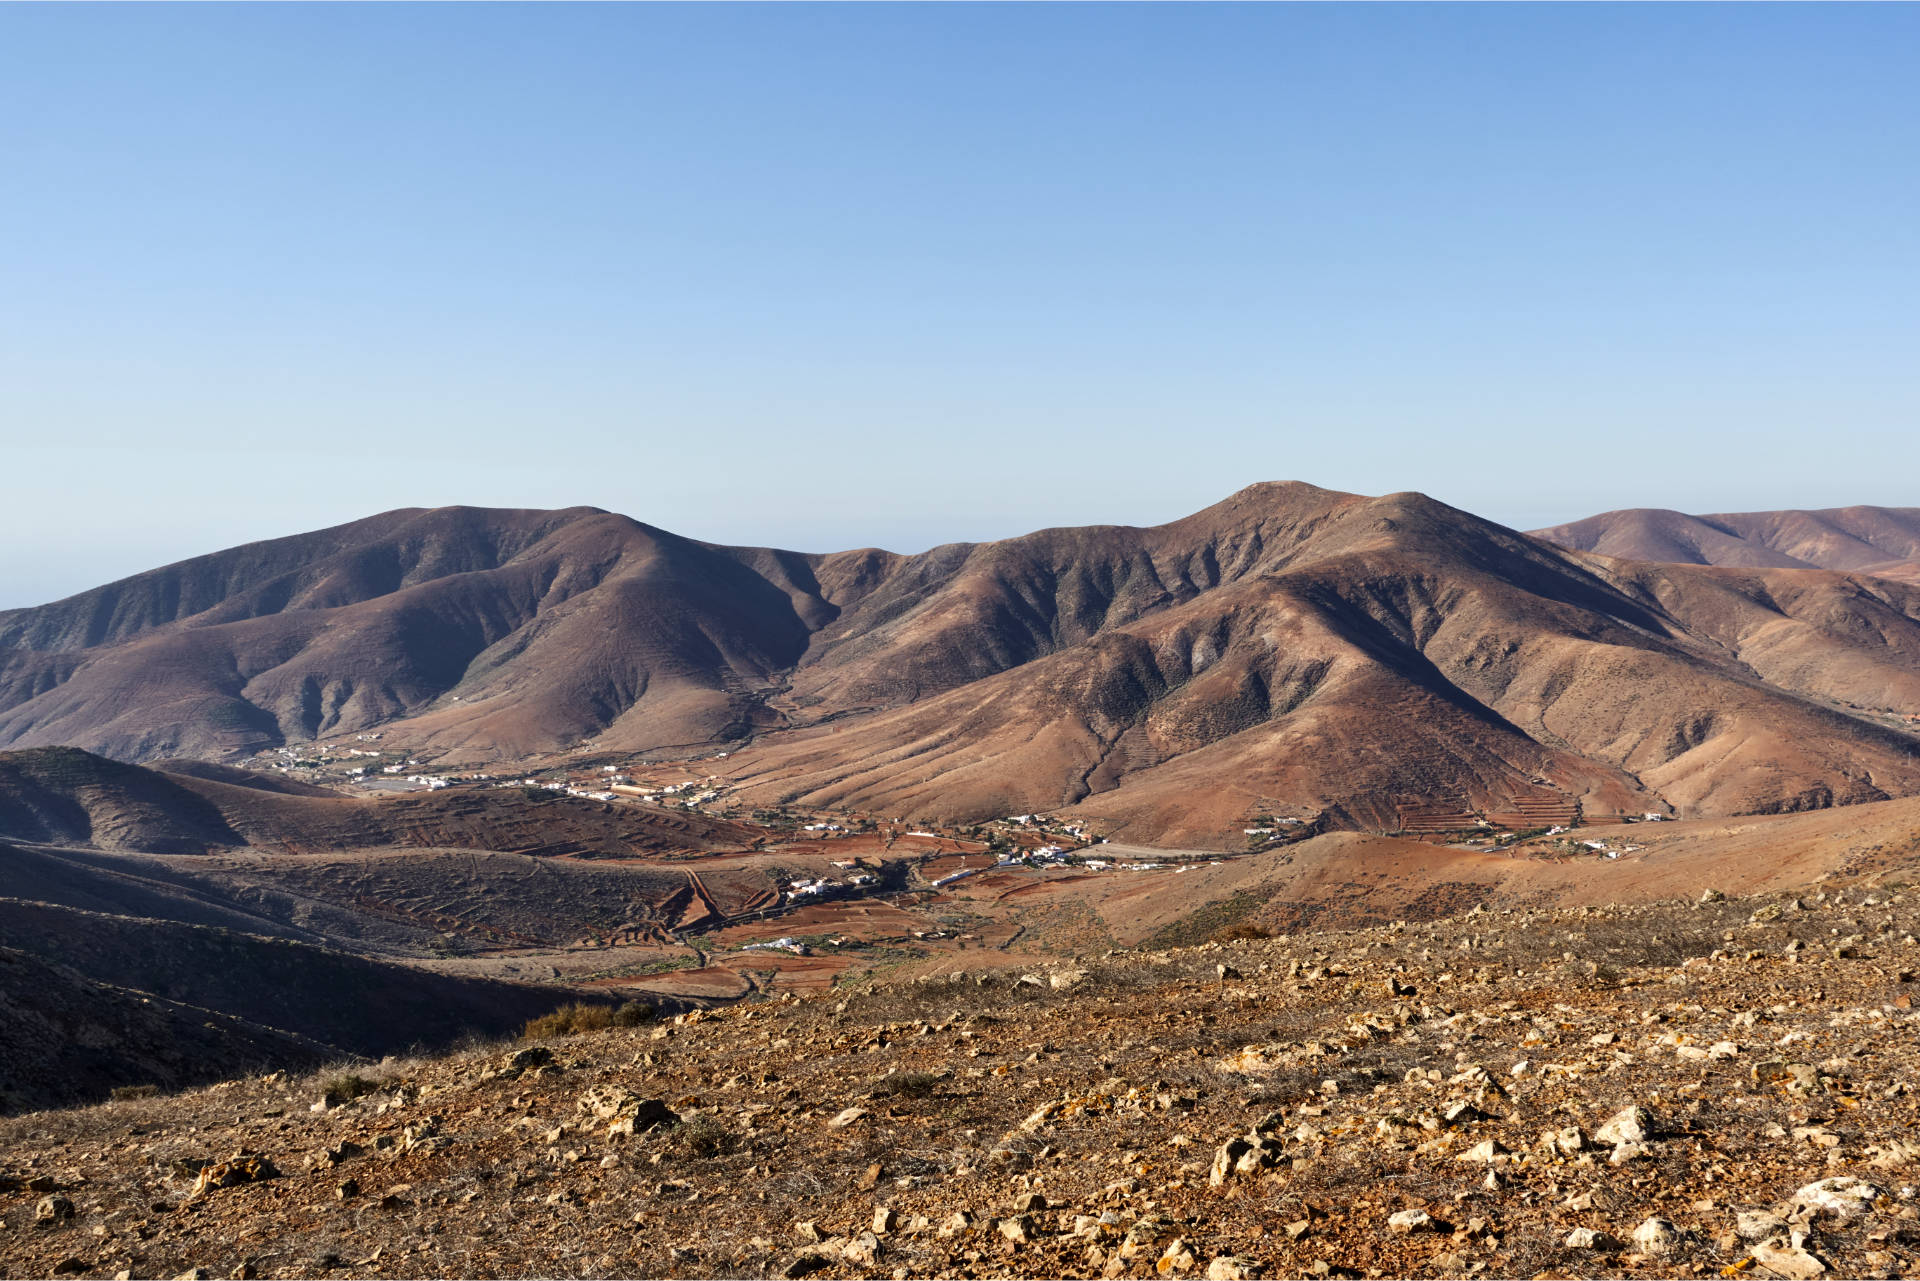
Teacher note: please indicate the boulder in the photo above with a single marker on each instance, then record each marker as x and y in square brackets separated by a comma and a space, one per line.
[1628, 1125]
[1839, 1200]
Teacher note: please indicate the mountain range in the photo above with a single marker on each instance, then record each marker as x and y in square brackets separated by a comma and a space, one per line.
[1883, 541]
[1292, 650]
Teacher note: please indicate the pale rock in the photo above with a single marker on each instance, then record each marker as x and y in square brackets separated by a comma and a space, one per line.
[1843, 1198]
[1655, 1236]
[1176, 1260]
[1226, 1159]
[1407, 1221]
[865, 1249]
[1789, 1259]
[1628, 1125]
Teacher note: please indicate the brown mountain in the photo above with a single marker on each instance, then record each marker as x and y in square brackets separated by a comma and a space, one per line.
[1304, 651]
[1884, 541]
[1290, 649]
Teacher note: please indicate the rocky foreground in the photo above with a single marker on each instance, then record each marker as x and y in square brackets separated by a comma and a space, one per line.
[1677, 1090]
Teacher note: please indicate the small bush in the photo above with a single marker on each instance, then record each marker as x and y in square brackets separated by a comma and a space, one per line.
[906, 1085]
[347, 1087]
[121, 1093]
[1241, 931]
[702, 1137]
[582, 1016]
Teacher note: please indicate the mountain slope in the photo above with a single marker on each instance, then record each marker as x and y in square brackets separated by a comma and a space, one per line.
[1884, 541]
[1289, 649]
[1405, 655]
[534, 627]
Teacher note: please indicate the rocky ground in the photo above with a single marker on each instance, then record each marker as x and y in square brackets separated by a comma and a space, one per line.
[1669, 1090]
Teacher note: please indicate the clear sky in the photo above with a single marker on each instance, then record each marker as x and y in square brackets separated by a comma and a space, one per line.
[836, 276]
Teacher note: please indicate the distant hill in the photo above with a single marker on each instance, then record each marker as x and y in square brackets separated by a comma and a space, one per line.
[1883, 541]
[62, 795]
[1291, 648]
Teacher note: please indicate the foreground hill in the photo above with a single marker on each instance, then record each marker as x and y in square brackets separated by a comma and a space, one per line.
[1677, 1089]
[1291, 649]
[271, 1002]
[1884, 541]
[67, 1040]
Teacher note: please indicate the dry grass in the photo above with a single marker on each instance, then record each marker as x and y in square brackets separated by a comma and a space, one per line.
[583, 1016]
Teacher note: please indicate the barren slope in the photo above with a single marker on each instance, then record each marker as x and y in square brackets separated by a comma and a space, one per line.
[1871, 540]
[1388, 654]
[1681, 1089]
[1290, 648]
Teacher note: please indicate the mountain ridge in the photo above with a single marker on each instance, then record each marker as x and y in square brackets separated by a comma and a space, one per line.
[1339, 654]
[1882, 541]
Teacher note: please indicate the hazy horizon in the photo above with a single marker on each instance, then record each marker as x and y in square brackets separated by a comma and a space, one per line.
[824, 277]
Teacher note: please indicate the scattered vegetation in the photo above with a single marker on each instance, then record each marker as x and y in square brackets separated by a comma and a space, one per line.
[348, 1086]
[702, 1137]
[584, 1016]
[1241, 931]
[906, 1085]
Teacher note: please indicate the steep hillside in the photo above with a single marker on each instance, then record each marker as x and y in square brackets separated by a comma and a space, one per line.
[352, 1004]
[67, 1040]
[1883, 541]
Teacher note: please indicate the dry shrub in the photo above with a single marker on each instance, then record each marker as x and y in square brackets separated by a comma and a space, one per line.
[583, 1016]
[906, 1085]
[347, 1086]
[702, 1137]
[1241, 931]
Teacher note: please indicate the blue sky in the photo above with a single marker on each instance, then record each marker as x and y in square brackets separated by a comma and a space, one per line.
[834, 276]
